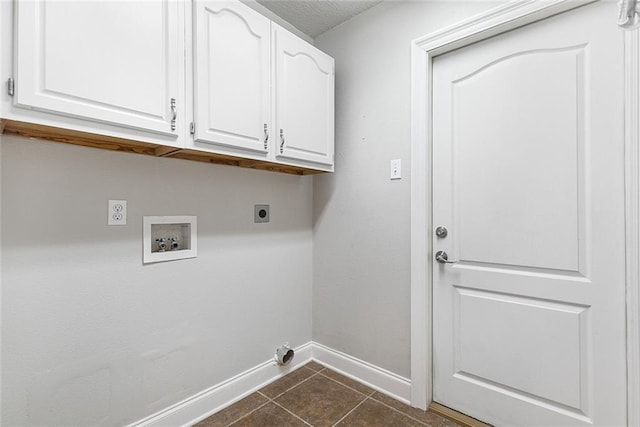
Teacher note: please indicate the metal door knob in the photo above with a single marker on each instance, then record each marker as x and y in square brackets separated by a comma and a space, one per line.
[443, 258]
[442, 231]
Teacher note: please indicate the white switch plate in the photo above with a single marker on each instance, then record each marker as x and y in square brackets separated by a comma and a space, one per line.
[117, 214]
[396, 169]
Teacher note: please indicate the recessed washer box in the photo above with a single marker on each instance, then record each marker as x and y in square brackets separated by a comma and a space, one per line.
[168, 238]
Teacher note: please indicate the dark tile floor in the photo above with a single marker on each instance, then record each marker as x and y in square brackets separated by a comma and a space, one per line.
[316, 396]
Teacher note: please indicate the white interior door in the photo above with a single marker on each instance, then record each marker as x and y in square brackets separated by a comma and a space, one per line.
[528, 178]
[232, 75]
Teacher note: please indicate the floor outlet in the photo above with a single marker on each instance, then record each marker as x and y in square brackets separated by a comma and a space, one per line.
[117, 214]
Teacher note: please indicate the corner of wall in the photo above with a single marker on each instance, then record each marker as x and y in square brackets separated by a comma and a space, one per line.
[253, 4]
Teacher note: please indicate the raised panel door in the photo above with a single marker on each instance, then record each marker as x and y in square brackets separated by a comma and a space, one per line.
[528, 176]
[111, 62]
[304, 98]
[232, 77]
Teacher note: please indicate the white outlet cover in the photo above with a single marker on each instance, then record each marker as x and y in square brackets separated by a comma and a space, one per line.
[117, 212]
[396, 169]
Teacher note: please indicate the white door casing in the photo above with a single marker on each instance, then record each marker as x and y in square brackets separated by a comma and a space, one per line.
[494, 22]
[108, 62]
[232, 69]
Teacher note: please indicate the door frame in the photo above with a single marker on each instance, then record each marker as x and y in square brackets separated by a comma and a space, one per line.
[506, 17]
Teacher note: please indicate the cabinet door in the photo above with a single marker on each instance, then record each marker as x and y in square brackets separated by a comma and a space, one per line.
[232, 75]
[112, 62]
[304, 88]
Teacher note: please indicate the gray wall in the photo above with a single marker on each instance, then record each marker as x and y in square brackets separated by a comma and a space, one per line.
[90, 335]
[361, 286]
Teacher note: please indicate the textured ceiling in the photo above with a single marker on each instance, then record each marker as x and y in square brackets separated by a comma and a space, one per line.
[314, 17]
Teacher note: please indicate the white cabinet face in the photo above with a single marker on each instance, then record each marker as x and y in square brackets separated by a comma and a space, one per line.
[232, 76]
[113, 62]
[304, 82]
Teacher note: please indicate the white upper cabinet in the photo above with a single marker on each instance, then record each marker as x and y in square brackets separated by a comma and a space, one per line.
[193, 78]
[232, 99]
[260, 91]
[304, 101]
[113, 62]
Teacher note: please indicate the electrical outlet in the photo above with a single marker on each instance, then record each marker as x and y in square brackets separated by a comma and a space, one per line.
[261, 213]
[396, 169]
[117, 214]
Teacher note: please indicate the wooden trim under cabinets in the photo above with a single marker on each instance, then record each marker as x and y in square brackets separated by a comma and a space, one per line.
[86, 139]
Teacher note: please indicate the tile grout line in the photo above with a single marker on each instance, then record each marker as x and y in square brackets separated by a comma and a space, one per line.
[248, 413]
[279, 405]
[315, 373]
[292, 387]
[350, 388]
[270, 400]
[349, 413]
[273, 400]
[370, 396]
[399, 411]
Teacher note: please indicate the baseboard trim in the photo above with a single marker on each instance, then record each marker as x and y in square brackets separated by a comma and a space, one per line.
[375, 377]
[209, 401]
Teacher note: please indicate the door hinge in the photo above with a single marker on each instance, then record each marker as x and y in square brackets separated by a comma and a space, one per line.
[11, 86]
[192, 128]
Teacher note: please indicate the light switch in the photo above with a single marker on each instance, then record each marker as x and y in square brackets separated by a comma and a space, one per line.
[396, 169]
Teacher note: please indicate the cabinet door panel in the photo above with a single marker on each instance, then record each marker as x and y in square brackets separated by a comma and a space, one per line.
[111, 62]
[232, 74]
[304, 100]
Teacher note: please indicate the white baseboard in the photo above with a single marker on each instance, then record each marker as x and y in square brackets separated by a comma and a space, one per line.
[212, 400]
[375, 377]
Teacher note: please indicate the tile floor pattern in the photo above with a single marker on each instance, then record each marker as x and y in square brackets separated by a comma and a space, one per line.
[316, 396]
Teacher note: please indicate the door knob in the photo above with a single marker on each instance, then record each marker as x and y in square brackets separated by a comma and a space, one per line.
[443, 258]
[442, 232]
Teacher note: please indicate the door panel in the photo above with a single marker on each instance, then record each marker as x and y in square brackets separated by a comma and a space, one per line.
[304, 100]
[232, 75]
[528, 176]
[111, 62]
[510, 92]
[555, 375]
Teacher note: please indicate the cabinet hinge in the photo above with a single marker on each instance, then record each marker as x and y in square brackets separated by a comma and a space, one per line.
[192, 128]
[11, 87]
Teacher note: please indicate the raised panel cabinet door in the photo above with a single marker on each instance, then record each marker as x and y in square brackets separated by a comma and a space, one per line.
[112, 62]
[304, 98]
[232, 75]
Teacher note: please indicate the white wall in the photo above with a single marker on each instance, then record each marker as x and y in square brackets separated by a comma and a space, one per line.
[361, 285]
[93, 337]
[253, 4]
